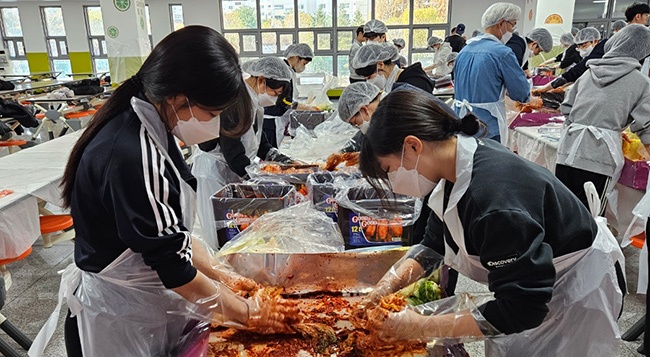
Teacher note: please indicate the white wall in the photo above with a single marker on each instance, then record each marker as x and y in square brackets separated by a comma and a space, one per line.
[195, 12]
[469, 12]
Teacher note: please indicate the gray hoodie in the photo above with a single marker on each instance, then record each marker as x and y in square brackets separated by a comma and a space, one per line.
[612, 94]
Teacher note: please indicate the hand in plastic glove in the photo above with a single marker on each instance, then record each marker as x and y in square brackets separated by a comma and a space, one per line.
[271, 315]
[239, 284]
[543, 89]
[276, 156]
[312, 108]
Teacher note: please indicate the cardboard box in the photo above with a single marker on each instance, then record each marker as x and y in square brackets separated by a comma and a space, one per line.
[236, 206]
[322, 190]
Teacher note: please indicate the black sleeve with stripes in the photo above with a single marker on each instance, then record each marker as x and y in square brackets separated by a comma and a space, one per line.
[143, 192]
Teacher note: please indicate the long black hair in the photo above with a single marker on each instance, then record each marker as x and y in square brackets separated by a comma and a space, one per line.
[403, 113]
[196, 62]
[369, 70]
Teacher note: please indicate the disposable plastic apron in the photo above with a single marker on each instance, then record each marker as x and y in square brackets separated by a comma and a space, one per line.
[638, 225]
[391, 79]
[123, 310]
[614, 143]
[496, 109]
[586, 292]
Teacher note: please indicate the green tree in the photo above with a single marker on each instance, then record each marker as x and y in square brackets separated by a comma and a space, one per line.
[343, 16]
[305, 20]
[248, 17]
[358, 18]
[322, 19]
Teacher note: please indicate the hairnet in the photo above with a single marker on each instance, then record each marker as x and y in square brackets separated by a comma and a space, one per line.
[269, 67]
[399, 42]
[632, 41]
[618, 25]
[542, 37]
[300, 49]
[433, 40]
[452, 57]
[574, 31]
[375, 26]
[587, 34]
[373, 53]
[567, 39]
[500, 11]
[355, 96]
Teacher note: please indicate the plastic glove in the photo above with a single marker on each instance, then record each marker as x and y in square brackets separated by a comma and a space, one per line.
[276, 156]
[543, 89]
[270, 316]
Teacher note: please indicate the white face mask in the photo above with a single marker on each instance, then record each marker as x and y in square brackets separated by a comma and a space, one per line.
[506, 37]
[299, 68]
[379, 80]
[193, 131]
[266, 100]
[527, 55]
[585, 52]
[410, 182]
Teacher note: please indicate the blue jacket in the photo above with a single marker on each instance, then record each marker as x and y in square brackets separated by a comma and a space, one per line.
[482, 68]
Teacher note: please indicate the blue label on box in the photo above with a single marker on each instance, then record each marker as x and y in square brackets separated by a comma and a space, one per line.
[366, 231]
[237, 222]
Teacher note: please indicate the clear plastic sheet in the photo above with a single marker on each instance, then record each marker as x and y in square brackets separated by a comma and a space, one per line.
[297, 229]
[292, 173]
[323, 187]
[326, 138]
[308, 119]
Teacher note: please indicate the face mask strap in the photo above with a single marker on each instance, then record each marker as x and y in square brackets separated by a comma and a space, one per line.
[176, 113]
[189, 106]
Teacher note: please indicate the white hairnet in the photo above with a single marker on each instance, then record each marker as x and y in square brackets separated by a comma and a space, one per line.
[574, 31]
[632, 41]
[299, 49]
[567, 39]
[433, 40]
[452, 57]
[618, 25]
[355, 96]
[542, 37]
[500, 11]
[399, 42]
[268, 67]
[587, 34]
[373, 53]
[375, 26]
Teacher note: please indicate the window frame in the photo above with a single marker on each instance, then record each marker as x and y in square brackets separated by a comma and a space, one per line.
[102, 39]
[334, 52]
[57, 39]
[608, 20]
[171, 16]
[14, 39]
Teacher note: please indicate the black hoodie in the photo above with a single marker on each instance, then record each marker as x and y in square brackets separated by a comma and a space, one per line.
[415, 76]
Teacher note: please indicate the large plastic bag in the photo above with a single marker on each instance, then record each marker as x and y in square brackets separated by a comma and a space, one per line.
[326, 138]
[321, 100]
[323, 187]
[297, 229]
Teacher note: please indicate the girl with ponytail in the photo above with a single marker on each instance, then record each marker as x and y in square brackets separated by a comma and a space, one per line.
[497, 219]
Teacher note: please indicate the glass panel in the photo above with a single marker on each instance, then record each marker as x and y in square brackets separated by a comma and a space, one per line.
[425, 58]
[20, 67]
[104, 48]
[95, 47]
[403, 34]
[343, 67]
[54, 21]
[393, 12]
[20, 45]
[286, 39]
[420, 38]
[353, 12]
[324, 41]
[314, 13]
[590, 9]
[269, 43]
[249, 43]
[54, 52]
[233, 38]
[439, 33]
[11, 22]
[101, 65]
[177, 17]
[62, 66]
[10, 47]
[239, 14]
[430, 11]
[95, 21]
[620, 6]
[63, 47]
[147, 19]
[321, 64]
[277, 14]
[345, 40]
[306, 37]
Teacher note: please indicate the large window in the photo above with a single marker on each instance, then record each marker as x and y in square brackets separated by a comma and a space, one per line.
[97, 41]
[267, 27]
[600, 14]
[176, 16]
[12, 34]
[57, 44]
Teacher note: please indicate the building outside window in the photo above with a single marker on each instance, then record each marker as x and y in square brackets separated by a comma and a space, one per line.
[12, 35]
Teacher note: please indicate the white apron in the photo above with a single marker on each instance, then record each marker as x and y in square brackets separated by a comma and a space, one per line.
[392, 77]
[123, 310]
[213, 173]
[586, 297]
[614, 143]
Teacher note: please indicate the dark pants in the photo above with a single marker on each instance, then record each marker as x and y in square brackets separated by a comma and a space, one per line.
[269, 130]
[72, 340]
[352, 80]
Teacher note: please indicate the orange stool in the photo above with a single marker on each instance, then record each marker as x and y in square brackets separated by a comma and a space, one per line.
[51, 225]
[3, 268]
[638, 240]
[40, 116]
[11, 144]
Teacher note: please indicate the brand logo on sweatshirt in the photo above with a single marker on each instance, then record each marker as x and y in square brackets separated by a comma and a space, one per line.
[502, 262]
